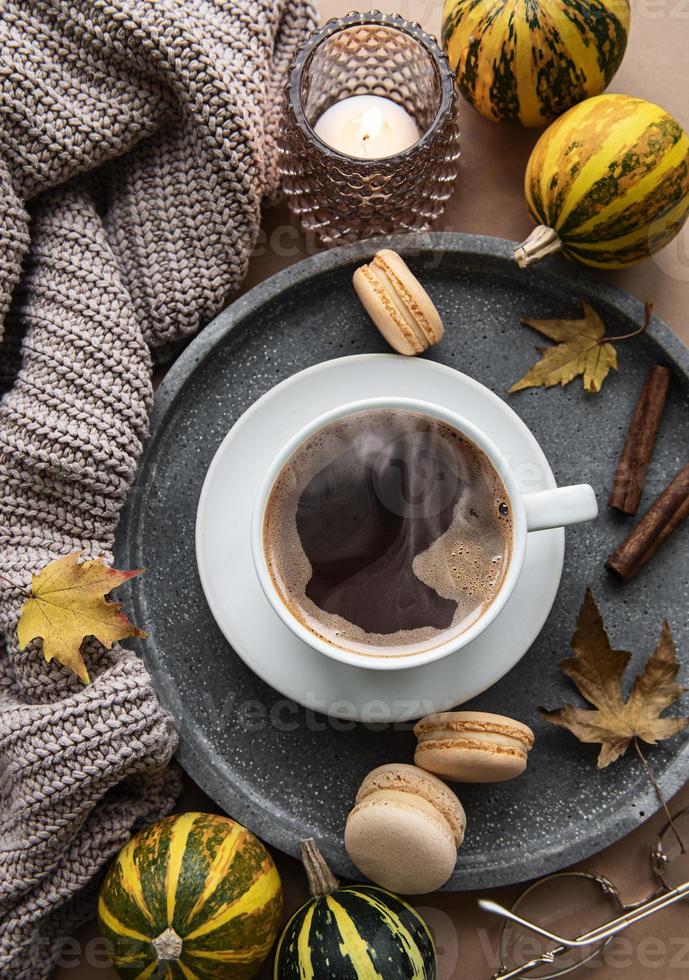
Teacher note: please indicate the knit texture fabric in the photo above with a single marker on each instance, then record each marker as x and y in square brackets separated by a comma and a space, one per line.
[137, 142]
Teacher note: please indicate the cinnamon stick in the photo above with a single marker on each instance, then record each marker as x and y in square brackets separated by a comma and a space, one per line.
[654, 528]
[641, 438]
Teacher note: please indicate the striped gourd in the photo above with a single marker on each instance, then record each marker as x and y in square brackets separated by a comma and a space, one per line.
[194, 897]
[527, 61]
[356, 932]
[608, 183]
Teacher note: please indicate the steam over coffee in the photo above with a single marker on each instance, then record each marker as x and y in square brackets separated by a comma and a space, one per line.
[388, 532]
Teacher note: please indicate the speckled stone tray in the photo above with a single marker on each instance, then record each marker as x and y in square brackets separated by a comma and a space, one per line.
[300, 782]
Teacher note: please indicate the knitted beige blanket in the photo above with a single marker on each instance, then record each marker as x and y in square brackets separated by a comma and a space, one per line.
[137, 140]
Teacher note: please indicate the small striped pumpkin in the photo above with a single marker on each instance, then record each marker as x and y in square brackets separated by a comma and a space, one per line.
[193, 897]
[608, 183]
[528, 61]
[356, 932]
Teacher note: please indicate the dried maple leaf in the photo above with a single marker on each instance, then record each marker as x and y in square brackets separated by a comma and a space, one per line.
[582, 349]
[598, 670]
[67, 604]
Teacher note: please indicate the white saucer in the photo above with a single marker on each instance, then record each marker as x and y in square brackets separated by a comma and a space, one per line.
[256, 632]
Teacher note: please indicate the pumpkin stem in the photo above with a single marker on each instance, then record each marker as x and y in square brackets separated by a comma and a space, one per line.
[168, 945]
[541, 242]
[321, 879]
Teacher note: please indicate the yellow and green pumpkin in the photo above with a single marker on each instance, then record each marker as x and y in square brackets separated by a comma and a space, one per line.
[608, 183]
[527, 61]
[357, 932]
[192, 897]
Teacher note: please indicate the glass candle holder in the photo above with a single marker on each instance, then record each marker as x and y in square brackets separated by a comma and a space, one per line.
[343, 197]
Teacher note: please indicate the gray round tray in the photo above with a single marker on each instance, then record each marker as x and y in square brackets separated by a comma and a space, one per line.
[289, 774]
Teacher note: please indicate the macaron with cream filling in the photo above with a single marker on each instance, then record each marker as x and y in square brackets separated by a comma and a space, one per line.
[398, 304]
[472, 746]
[405, 829]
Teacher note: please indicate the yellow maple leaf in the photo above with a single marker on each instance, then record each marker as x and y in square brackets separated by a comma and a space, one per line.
[67, 604]
[598, 671]
[582, 349]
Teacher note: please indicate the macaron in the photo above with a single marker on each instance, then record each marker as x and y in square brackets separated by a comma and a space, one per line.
[472, 746]
[398, 304]
[405, 829]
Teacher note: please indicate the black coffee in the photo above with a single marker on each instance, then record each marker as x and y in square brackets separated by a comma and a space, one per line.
[388, 532]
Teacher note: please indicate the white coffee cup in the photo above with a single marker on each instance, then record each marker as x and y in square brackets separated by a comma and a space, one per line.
[530, 512]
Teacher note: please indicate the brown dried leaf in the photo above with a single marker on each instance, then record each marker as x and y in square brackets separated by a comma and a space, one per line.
[598, 671]
[581, 350]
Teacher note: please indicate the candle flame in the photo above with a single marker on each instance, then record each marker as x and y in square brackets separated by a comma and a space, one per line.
[371, 123]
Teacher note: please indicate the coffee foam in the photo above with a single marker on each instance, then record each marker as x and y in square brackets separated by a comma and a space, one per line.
[465, 564]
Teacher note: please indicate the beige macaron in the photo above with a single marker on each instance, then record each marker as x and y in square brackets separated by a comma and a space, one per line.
[398, 304]
[472, 746]
[405, 829]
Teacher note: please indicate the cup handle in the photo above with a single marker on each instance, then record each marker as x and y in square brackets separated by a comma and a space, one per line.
[560, 507]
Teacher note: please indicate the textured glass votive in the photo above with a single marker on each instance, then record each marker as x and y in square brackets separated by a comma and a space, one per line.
[346, 198]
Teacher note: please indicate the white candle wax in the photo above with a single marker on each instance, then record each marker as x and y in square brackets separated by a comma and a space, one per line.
[368, 126]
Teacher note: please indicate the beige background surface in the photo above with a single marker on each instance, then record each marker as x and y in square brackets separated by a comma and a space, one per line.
[488, 200]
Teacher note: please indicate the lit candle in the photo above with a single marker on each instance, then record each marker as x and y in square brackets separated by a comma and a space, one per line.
[368, 126]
